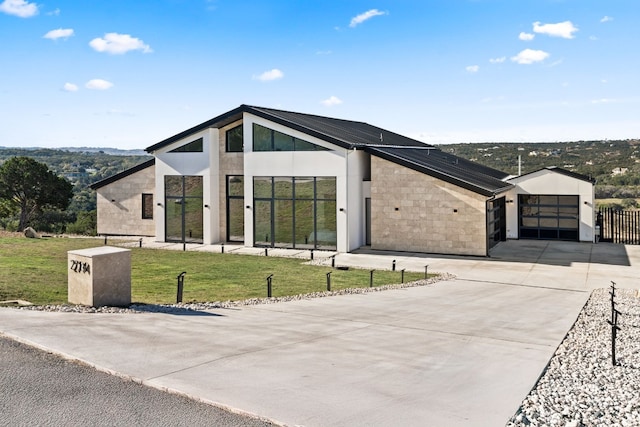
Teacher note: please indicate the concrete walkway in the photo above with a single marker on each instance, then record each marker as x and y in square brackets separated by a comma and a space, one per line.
[463, 352]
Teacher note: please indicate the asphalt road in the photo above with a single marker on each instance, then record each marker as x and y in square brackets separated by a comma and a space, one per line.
[39, 388]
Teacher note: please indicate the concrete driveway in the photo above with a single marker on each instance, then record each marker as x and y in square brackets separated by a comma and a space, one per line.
[462, 352]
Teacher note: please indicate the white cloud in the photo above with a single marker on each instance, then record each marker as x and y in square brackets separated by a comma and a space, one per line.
[499, 60]
[60, 33]
[20, 8]
[70, 87]
[529, 56]
[331, 101]
[526, 36]
[55, 12]
[606, 19]
[472, 68]
[359, 19]
[98, 84]
[117, 44]
[270, 75]
[561, 29]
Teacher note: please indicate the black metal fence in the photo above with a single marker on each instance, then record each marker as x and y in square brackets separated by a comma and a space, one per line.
[618, 226]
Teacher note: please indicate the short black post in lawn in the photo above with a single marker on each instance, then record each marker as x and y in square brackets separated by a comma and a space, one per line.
[180, 287]
[266, 251]
[371, 278]
[269, 278]
[105, 240]
[393, 265]
[329, 282]
[222, 248]
[311, 254]
[426, 267]
[140, 242]
[333, 261]
[402, 275]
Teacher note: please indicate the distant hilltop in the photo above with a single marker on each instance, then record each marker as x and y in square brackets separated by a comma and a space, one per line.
[103, 150]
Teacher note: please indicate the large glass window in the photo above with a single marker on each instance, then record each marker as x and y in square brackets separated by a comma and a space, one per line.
[295, 212]
[183, 209]
[191, 147]
[235, 208]
[235, 142]
[265, 139]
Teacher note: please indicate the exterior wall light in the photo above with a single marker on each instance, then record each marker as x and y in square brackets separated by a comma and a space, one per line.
[206, 206]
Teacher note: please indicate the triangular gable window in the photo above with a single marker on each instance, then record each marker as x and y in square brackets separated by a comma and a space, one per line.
[265, 139]
[191, 147]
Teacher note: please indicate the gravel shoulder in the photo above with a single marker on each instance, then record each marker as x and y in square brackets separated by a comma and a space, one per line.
[580, 386]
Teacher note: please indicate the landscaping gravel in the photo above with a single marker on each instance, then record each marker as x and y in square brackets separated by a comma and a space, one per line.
[199, 306]
[580, 386]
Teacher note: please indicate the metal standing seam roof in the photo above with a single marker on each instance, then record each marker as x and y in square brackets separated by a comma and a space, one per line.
[376, 141]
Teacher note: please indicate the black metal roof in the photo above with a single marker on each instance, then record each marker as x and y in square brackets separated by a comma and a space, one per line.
[447, 167]
[379, 142]
[125, 173]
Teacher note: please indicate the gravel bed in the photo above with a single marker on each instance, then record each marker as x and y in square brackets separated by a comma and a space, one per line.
[580, 386]
[199, 306]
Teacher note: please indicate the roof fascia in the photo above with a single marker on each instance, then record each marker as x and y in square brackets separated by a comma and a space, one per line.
[215, 122]
[123, 174]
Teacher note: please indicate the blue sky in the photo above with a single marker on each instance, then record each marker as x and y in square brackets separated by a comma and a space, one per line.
[127, 74]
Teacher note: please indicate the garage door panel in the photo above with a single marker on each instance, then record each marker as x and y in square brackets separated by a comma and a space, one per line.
[548, 217]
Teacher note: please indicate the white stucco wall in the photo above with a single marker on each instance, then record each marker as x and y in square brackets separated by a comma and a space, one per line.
[548, 182]
[345, 165]
[193, 164]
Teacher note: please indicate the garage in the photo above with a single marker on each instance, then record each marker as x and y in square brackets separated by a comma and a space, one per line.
[549, 217]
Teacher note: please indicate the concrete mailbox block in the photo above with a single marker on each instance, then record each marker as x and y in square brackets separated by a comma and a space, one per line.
[99, 276]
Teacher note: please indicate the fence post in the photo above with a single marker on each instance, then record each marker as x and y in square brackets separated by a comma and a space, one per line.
[614, 323]
[393, 265]
[425, 271]
[329, 281]
[402, 275]
[371, 278]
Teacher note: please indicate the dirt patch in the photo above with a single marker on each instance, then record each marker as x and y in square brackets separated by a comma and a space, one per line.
[4, 233]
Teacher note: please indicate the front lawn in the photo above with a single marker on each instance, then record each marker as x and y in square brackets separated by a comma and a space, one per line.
[35, 270]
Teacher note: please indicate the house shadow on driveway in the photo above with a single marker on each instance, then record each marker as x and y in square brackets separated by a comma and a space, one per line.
[537, 252]
[561, 253]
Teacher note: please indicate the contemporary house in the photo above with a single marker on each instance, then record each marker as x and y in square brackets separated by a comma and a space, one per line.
[272, 178]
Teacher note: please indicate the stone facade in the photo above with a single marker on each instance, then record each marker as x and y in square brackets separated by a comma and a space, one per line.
[415, 212]
[120, 205]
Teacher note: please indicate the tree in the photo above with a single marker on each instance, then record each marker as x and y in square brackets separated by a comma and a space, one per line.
[30, 187]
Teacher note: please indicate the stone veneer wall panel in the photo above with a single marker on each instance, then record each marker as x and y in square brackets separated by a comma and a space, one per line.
[123, 215]
[412, 211]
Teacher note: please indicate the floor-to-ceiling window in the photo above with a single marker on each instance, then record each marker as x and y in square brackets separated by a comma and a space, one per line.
[183, 208]
[235, 208]
[295, 212]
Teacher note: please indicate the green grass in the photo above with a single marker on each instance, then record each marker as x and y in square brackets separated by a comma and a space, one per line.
[36, 271]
